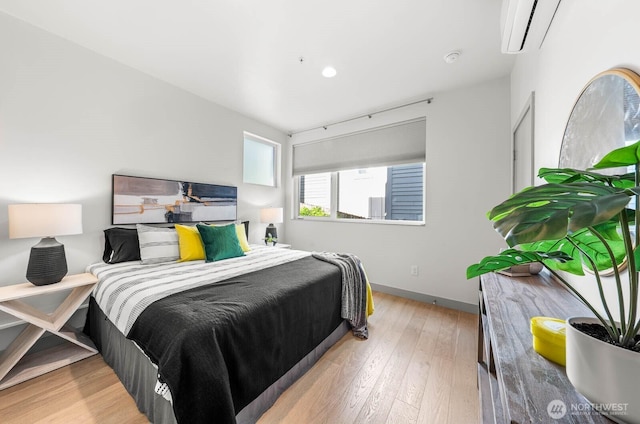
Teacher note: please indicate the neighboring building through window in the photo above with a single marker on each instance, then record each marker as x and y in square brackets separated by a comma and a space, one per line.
[315, 195]
[260, 162]
[404, 195]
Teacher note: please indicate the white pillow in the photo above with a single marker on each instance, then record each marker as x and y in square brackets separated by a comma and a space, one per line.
[158, 245]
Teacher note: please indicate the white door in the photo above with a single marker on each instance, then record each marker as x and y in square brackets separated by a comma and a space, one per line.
[523, 171]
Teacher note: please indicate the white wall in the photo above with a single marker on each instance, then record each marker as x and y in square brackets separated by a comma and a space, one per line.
[467, 173]
[70, 118]
[586, 38]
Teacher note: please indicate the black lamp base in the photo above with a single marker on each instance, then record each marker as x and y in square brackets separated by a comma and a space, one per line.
[47, 262]
[271, 233]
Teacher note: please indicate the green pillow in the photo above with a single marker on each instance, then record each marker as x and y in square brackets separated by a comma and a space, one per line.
[220, 242]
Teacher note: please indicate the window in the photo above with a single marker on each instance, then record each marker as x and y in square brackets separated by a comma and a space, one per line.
[374, 175]
[260, 160]
[386, 193]
[315, 195]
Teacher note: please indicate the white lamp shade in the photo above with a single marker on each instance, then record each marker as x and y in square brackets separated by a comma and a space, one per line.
[44, 220]
[271, 215]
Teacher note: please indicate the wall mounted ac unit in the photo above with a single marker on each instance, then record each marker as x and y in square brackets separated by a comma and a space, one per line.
[525, 23]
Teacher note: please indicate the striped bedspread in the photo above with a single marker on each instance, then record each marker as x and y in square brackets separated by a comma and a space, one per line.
[124, 290]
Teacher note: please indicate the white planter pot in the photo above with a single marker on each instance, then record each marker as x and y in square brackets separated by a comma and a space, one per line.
[608, 376]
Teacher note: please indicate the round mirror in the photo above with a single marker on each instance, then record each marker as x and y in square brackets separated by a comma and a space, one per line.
[606, 116]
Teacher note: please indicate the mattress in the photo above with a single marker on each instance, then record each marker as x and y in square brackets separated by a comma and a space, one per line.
[224, 339]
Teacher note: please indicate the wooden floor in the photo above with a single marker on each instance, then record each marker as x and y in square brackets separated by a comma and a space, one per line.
[418, 366]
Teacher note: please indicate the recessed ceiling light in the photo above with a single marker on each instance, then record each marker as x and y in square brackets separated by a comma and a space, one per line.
[451, 56]
[329, 72]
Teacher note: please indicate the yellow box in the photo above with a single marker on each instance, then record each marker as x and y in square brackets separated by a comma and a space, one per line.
[549, 338]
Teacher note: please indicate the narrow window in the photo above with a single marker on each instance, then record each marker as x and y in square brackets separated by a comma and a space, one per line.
[260, 160]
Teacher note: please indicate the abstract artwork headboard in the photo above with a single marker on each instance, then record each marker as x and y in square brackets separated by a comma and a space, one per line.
[140, 200]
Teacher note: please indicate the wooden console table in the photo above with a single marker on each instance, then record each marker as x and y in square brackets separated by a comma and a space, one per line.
[516, 384]
[15, 367]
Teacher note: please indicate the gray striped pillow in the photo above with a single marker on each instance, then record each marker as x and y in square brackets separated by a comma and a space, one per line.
[158, 244]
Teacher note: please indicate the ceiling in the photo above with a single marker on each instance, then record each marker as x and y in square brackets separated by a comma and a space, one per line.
[246, 54]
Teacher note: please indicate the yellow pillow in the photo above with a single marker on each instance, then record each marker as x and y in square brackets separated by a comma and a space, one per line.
[242, 237]
[191, 247]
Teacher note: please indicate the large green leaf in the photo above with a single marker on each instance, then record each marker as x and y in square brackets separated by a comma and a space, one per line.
[609, 229]
[585, 241]
[533, 224]
[573, 266]
[636, 255]
[624, 156]
[511, 257]
[569, 175]
[551, 211]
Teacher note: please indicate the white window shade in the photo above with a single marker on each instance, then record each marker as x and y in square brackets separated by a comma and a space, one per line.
[400, 143]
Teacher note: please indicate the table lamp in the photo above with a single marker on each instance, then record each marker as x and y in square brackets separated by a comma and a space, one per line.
[47, 262]
[272, 216]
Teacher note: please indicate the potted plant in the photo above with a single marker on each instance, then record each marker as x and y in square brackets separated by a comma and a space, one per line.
[270, 239]
[586, 220]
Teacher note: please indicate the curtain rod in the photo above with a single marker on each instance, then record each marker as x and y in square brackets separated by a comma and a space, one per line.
[367, 115]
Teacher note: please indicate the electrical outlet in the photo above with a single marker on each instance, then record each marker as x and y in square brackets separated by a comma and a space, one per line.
[414, 270]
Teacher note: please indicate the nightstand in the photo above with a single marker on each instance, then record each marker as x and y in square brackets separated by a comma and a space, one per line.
[15, 367]
[283, 246]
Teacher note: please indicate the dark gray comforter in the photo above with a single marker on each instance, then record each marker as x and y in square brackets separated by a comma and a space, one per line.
[219, 346]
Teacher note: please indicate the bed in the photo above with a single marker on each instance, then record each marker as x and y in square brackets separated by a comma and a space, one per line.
[203, 342]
